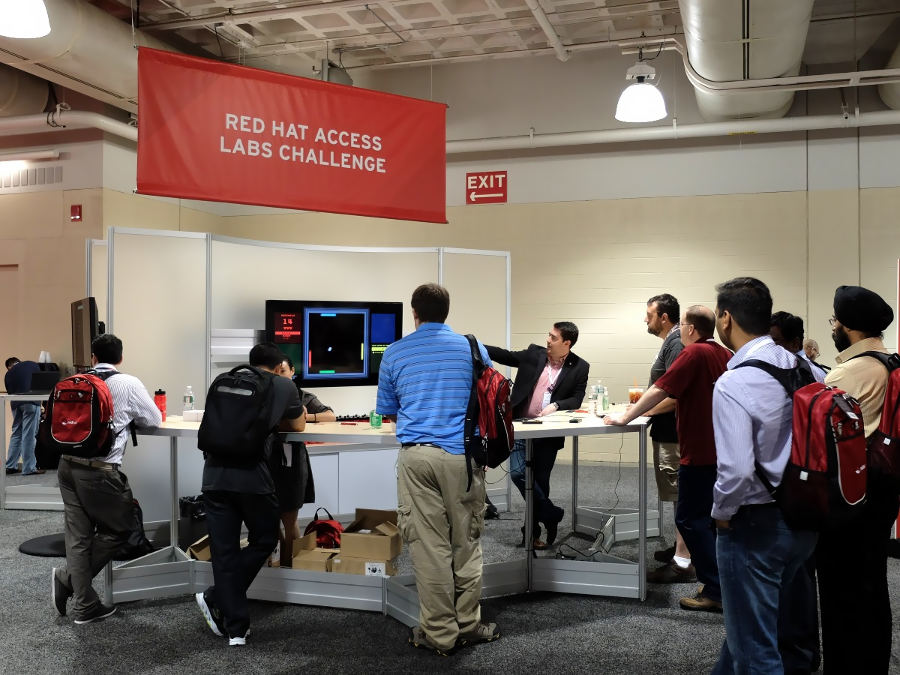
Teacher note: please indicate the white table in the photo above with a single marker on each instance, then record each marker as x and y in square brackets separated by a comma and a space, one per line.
[169, 572]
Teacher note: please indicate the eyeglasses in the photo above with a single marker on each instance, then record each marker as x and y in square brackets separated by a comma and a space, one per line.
[684, 323]
[831, 322]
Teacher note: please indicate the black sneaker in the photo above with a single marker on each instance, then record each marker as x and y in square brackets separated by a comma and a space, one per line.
[59, 592]
[212, 614]
[99, 612]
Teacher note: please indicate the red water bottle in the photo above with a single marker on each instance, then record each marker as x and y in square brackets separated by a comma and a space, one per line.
[159, 398]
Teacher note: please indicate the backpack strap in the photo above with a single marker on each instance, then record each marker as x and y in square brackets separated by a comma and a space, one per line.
[889, 361]
[789, 378]
[472, 407]
[105, 375]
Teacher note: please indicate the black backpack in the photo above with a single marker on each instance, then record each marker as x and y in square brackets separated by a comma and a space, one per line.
[235, 426]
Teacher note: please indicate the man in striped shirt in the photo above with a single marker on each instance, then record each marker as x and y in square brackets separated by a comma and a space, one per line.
[97, 499]
[424, 381]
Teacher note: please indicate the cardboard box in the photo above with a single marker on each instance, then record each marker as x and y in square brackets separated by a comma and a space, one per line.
[344, 564]
[316, 560]
[199, 550]
[373, 535]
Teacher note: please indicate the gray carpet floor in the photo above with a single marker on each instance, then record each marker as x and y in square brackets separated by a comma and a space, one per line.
[540, 632]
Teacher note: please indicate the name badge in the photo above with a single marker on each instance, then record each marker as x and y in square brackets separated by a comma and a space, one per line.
[546, 400]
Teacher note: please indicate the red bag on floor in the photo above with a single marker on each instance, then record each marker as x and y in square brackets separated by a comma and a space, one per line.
[328, 531]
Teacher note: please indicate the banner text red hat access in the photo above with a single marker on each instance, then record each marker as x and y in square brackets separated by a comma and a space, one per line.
[213, 131]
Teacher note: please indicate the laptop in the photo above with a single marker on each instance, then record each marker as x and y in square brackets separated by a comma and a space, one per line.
[43, 381]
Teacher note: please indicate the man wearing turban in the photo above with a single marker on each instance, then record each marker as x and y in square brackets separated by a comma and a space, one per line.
[852, 561]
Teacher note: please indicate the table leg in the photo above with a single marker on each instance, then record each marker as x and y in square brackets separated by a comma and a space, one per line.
[529, 512]
[173, 477]
[642, 514]
[3, 454]
[574, 483]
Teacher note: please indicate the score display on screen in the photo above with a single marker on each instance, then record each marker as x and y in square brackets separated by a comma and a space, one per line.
[334, 343]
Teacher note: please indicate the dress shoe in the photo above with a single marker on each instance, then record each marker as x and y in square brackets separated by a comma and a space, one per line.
[672, 574]
[539, 545]
[700, 603]
[36, 472]
[536, 535]
[10, 472]
[491, 512]
[665, 555]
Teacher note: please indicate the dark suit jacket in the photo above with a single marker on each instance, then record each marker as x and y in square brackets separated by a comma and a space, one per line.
[570, 387]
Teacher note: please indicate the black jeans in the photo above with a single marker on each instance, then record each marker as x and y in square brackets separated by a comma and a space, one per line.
[853, 591]
[692, 516]
[543, 459]
[235, 568]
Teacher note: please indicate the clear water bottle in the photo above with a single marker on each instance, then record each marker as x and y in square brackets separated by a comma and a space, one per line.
[604, 396]
[597, 396]
[188, 398]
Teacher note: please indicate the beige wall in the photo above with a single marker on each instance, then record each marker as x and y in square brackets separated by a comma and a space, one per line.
[46, 253]
[594, 262]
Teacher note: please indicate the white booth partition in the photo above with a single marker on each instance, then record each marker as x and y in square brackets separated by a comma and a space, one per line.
[157, 305]
[189, 306]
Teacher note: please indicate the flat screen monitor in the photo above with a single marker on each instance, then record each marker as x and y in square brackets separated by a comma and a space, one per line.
[334, 343]
[85, 327]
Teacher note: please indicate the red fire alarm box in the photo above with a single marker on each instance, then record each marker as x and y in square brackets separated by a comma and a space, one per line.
[75, 213]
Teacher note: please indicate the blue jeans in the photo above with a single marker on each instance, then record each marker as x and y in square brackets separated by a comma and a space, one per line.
[695, 501]
[758, 558]
[543, 460]
[21, 442]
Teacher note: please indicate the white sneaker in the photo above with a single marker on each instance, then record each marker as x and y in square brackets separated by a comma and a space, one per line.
[237, 641]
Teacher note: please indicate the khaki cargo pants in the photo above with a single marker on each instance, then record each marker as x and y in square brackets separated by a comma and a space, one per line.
[442, 524]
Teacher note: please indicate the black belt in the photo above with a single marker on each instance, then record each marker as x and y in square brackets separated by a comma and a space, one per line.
[93, 463]
[422, 445]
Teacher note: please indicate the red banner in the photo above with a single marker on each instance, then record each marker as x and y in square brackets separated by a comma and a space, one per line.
[213, 131]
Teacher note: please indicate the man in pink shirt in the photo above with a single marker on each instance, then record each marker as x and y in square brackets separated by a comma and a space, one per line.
[549, 378]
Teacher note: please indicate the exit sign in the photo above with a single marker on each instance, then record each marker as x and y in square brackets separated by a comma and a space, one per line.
[486, 187]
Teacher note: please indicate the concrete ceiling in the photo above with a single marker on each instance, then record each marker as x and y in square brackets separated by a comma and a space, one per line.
[382, 33]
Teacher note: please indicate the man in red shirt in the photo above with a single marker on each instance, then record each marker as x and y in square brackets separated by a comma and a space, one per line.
[690, 380]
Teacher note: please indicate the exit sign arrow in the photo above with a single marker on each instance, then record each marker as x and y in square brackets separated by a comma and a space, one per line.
[486, 187]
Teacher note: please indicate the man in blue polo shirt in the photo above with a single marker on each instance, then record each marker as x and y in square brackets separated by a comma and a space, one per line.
[425, 380]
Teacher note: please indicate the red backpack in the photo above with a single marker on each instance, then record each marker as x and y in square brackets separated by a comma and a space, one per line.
[824, 482]
[328, 531]
[490, 411]
[884, 443]
[78, 419]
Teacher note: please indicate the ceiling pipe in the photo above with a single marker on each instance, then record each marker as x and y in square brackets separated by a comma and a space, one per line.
[858, 78]
[674, 132]
[61, 119]
[549, 30]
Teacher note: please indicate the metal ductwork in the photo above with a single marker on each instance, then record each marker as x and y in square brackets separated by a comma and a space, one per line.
[20, 93]
[890, 93]
[746, 40]
[87, 50]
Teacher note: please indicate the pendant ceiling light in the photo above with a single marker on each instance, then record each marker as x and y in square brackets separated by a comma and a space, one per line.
[23, 19]
[640, 102]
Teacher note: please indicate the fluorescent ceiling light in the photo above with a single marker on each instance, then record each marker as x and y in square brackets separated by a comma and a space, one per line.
[640, 102]
[23, 19]
[27, 155]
